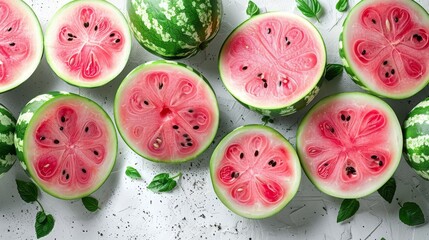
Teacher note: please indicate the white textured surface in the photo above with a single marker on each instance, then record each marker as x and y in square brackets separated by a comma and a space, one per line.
[192, 211]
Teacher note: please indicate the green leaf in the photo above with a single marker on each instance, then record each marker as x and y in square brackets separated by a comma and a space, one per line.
[382, 238]
[332, 71]
[348, 208]
[309, 8]
[27, 190]
[411, 214]
[387, 191]
[132, 173]
[267, 119]
[163, 182]
[342, 5]
[41, 217]
[252, 9]
[45, 227]
[90, 203]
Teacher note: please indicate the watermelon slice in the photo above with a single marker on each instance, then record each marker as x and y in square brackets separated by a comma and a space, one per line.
[385, 47]
[416, 135]
[88, 43]
[174, 29]
[255, 171]
[349, 144]
[273, 63]
[7, 149]
[66, 143]
[166, 112]
[21, 43]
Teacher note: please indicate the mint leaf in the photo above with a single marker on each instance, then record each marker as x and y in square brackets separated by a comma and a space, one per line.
[45, 227]
[252, 9]
[267, 119]
[41, 217]
[342, 5]
[27, 190]
[90, 203]
[387, 191]
[309, 8]
[163, 182]
[132, 173]
[411, 214]
[348, 208]
[332, 71]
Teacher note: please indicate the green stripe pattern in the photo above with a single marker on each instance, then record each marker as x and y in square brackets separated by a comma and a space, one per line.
[7, 149]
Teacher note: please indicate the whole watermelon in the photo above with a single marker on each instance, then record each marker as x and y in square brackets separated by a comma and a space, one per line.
[174, 29]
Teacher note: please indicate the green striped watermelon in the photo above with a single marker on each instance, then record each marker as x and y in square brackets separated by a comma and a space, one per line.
[416, 135]
[66, 143]
[174, 29]
[7, 149]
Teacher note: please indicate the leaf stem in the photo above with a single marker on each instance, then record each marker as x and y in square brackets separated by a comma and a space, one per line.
[43, 210]
[178, 175]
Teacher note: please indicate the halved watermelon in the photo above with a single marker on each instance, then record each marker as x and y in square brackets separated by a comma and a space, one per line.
[273, 63]
[7, 149]
[385, 47]
[255, 171]
[66, 143]
[349, 144]
[21, 43]
[166, 112]
[88, 43]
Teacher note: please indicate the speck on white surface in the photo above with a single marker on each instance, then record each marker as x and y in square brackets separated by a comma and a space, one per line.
[192, 210]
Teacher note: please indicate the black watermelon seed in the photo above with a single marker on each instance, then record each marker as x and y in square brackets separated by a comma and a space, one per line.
[343, 117]
[42, 138]
[190, 110]
[189, 144]
[396, 19]
[385, 63]
[348, 118]
[274, 164]
[350, 170]
[63, 119]
[12, 44]
[270, 162]
[259, 74]
[363, 52]
[326, 164]
[83, 170]
[269, 30]
[387, 74]
[196, 127]
[286, 39]
[374, 157]
[70, 39]
[64, 172]
[175, 127]
[146, 102]
[67, 176]
[288, 43]
[265, 84]
[56, 141]
[256, 153]
[188, 139]
[380, 163]
[96, 152]
[61, 128]
[232, 174]
[9, 29]
[185, 135]
[241, 155]
[392, 72]
[86, 129]
[332, 130]
[70, 35]
[112, 34]
[280, 83]
[418, 37]
[244, 68]
[373, 21]
[86, 24]
[96, 28]
[117, 40]
[161, 85]
[182, 144]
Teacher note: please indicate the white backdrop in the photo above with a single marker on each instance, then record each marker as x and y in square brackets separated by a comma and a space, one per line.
[192, 211]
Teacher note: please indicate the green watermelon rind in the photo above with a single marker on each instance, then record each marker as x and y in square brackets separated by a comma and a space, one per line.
[31, 13]
[395, 157]
[416, 139]
[7, 148]
[292, 152]
[354, 75]
[52, 61]
[282, 110]
[32, 109]
[171, 64]
[152, 40]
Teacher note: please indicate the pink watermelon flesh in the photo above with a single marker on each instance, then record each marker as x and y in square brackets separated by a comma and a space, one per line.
[256, 172]
[166, 112]
[349, 145]
[272, 60]
[387, 45]
[21, 43]
[73, 149]
[88, 43]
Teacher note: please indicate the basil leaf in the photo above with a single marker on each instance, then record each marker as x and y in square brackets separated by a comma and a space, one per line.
[342, 5]
[45, 227]
[411, 214]
[163, 182]
[348, 208]
[41, 217]
[90, 203]
[332, 71]
[387, 191]
[27, 190]
[267, 119]
[252, 9]
[309, 8]
[132, 173]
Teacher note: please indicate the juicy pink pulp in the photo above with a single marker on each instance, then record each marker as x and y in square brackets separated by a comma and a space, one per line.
[254, 170]
[89, 43]
[166, 113]
[272, 60]
[390, 45]
[70, 148]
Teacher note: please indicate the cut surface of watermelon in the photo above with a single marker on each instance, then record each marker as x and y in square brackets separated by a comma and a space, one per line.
[385, 47]
[349, 144]
[7, 148]
[273, 63]
[66, 143]
[88, 43]
[255, 171]
[166, 112]
[21, 43]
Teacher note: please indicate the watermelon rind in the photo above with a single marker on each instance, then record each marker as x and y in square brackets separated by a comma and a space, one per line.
[7, 148]
[166, 63]
[214, 160]
[292, 107]
[416, 139]
[33, 110]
